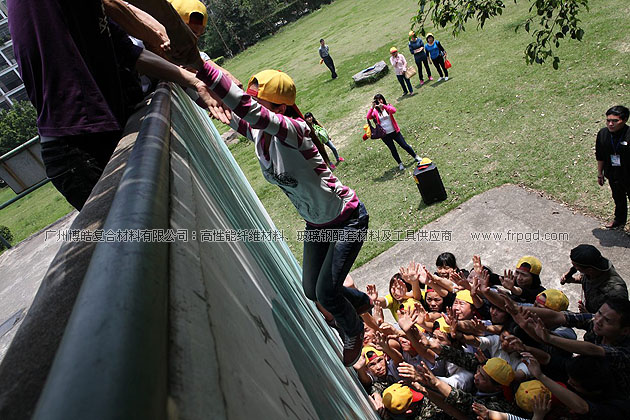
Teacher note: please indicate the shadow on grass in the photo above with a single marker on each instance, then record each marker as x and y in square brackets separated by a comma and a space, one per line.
[389, 174]
[403, 97]
[612, 237]
[439, 83]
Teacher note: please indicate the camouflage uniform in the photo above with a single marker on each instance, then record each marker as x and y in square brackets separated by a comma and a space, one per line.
[598, 290]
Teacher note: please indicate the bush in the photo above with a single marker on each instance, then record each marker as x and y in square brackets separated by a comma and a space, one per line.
[219, 60]
[6, 234]
[17, 125]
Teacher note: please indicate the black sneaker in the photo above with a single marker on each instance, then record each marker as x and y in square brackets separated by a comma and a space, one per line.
[352, 347]
[333, 324]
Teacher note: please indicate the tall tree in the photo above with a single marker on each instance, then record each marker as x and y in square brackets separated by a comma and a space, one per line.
[549, 21]
[17, 125]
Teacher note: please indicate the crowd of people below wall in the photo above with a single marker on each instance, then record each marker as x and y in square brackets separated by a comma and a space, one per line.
[488, 346]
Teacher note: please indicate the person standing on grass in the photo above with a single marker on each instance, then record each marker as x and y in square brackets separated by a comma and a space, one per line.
[383, 113]
[436, 53]
[323, 136]
[292, 157]
[613, 161]
[400, 67]
[326, 58]
[416, 47]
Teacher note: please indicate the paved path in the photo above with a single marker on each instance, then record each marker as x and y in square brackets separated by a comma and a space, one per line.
[22, 269]
[510, 216]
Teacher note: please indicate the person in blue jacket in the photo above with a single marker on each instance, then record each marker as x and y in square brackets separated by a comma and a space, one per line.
[436, 54]
[416, 47]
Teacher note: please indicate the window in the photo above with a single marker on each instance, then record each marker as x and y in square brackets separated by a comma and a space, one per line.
[3, 63]
[8, 53]
[5, 35]
[5, 105]
[9, 81]
[19, 95]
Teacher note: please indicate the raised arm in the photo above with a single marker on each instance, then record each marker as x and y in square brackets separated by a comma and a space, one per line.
[573, 346]
[289, 131]
[569, 398]
[155, 66]
[139, 24]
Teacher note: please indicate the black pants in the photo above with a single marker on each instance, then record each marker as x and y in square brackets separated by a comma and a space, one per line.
[397, 137]
[331, 65]
[439, 62]
[620, 195]
[402, 79]
[420, 60]
[74, 164]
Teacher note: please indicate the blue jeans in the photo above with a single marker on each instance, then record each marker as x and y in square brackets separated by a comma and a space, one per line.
[333, 148]
[326, 264]
[402, 80]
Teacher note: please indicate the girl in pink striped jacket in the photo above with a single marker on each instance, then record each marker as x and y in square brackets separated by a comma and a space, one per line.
[292, 158]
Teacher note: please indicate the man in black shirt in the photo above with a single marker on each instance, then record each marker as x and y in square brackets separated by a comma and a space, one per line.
[613, 160]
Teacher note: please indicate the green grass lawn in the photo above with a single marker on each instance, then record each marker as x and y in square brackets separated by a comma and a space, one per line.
[497, 120]
[33, 212]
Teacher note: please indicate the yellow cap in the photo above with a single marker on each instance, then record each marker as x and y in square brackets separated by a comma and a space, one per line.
[443, 325]
[274, 86]
[186, 7]
[368, 349]
[393, 50]
[397, 398]
[555, 299]
[533, 262]
[411, 33]
[499, 370]
[428, 35]
[465, 296]
[527, 391]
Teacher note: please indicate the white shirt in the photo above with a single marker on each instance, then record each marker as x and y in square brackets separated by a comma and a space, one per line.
[386, 122]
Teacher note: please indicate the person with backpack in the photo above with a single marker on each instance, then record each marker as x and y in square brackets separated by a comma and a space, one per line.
[324, 137]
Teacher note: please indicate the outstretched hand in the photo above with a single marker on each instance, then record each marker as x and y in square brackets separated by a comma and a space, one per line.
[409, 372]
[539, 327]
[411, 273]
[372, 292]
[542, 405]
[477, 266]
[508, 281]
[459, 280]
[481, 411]
[399, 288]
[406, 320]
[532, 364]
[212, 102]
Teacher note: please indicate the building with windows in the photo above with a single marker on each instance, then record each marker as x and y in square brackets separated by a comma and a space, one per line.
[11, 86]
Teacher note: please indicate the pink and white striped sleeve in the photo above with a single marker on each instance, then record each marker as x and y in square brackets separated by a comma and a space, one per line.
[289, 131]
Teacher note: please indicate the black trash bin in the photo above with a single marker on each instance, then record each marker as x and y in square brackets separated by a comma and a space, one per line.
[429, 182]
